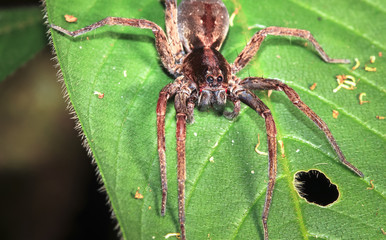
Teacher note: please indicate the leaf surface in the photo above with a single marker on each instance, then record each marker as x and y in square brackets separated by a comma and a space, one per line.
[22, 35]
[225, 196]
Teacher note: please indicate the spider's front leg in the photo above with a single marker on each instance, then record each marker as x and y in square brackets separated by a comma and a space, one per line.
[256, 104]
[184, 93]
[162, 45]
[181, 102]
[272, 84]
[254, 44]
[167, 92]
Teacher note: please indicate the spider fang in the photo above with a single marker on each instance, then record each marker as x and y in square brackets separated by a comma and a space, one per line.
[357, 64]
[361, 95]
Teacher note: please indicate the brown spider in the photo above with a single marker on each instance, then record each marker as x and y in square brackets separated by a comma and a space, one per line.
[203, 77]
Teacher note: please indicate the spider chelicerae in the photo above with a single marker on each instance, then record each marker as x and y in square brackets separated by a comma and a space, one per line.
[189, 51]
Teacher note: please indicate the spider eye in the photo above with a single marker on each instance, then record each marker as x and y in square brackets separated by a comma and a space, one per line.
[209, 79]
[219, 79]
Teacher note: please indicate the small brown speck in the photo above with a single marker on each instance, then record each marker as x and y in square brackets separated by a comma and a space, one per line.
[282, 148]
[70, 18]
[312, 88]
[357, 64]
[370, 69]
[257, 150]
[232, 17]
[269, 93]
[335, 114]
[372, 59]
[361, 101]
[138, 195]
[99, 94]
[372, 185]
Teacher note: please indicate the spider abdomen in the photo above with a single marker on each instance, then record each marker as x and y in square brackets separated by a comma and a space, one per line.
[202, 23]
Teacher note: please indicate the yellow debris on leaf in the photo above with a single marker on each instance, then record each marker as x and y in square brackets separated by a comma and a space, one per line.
[335, 114]
[70, 18]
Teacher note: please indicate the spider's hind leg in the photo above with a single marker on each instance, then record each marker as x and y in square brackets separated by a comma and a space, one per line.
[273, 84]
[172, 29]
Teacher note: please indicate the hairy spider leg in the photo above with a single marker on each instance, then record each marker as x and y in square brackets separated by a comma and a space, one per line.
[258, 83]
[172, 29]
[163, 48]
[254, 44]
[235, 112]
[256, 104]
[167, 92]
[180, 104]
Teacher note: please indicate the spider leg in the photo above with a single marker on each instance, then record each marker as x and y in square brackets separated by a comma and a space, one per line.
[254, 44]
[163, 48]
[190, 108]
[172, 29]
[235, 112]
[167, 92]
[268, 84]
[180, 103]
[255, 103]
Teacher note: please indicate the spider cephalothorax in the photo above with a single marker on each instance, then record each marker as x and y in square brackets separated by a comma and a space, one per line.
[210, 71]
[190, 52]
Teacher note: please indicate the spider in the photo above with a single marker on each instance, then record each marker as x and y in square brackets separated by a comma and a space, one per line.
[189, 50]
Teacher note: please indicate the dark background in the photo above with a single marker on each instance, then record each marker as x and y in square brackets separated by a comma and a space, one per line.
[48, 186]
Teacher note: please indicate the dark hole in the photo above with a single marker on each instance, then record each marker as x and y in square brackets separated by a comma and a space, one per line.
[315, 187]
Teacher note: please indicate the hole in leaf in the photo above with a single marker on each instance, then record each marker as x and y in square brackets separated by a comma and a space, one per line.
[315, 187]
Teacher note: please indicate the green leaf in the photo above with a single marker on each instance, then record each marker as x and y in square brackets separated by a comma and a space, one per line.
[22, 35]
[225, 197]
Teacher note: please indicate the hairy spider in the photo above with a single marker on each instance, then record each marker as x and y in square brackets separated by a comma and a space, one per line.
[203, 77]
